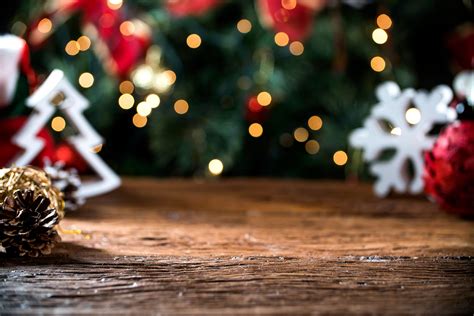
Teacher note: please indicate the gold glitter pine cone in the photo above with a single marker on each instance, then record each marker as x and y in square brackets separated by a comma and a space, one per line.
[30, 209]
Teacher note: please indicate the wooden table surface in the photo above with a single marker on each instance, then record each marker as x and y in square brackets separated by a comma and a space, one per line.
[243, 246]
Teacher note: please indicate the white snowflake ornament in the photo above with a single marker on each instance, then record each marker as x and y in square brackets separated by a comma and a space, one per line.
[401, 121]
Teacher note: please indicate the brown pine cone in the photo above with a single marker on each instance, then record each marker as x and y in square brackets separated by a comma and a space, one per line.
[28, 224]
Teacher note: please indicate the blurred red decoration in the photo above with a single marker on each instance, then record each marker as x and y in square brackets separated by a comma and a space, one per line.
[9, 127]
[119, 52]
[181, 8]
[449, 169]
[255, 112]
[295, 18]
[67, 154]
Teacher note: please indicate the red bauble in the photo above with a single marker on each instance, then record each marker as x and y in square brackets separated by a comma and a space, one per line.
[180, 8]
[10, 127]
[449, 169]
[120, 53]
[70, 157]
[255, 112]
[293, 18]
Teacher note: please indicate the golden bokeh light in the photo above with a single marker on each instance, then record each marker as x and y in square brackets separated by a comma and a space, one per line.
[181, 106]
[143, 108]
[244, 26]
[126, 87]
[84, 43]
[377, 64]
[264, 98]
[301, 134]
[413, 116]
[296, 48]
[312, 147]
[127, 28]
[153, 100]
[114, 4]
[379, 36]
[72, 48]
[193, 41]
[139, 121]
[58, 124]
[170, 75]
[215, 167]
[255, 130]
[126, 101]
[86, 80]
[384, 21]
[97, 149]
[143, 76]
[315, 123]
[45, 26]
[281, 39]
[340, 158]
[288, 4]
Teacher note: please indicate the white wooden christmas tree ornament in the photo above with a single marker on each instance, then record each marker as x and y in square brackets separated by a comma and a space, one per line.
[410, 115]
[57, 93]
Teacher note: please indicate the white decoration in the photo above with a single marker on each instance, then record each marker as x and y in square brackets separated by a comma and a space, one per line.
[71, 103]
[11, 50]
[408, 140]
[464, 85]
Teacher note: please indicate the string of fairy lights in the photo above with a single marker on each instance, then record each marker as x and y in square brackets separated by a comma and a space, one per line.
[151, 81]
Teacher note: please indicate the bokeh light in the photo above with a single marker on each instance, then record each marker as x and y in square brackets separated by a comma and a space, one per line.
[288, 4]
[244, 26]
[114, 4]
[315, 123]
[216, 167]
[296, 48]
[281, 39]
[340, 158]
[86, 80]
[127, 28]
[84, 43]
[255, 130]
[181, 106]
[45, 26]
[126, 101]
[377, 64]
[153, 100]
[58, 124]
[312, 147]
[126, 87]
[143, 76]
[264, 98]
[379, 36]
[143, 108]
[301, 134]
[139, 121]
[193, 41]
[384, 21]
[413, 116]
[72, 48]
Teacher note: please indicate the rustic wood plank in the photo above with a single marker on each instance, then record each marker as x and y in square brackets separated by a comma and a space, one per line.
[250, 246]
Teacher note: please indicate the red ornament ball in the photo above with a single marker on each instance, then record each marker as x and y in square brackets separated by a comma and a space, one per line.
[449, 169]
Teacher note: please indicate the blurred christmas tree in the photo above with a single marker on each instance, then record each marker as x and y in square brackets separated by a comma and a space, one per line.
[266, 88]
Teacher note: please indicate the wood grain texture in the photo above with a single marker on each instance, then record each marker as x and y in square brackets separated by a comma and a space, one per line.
[245, 246]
